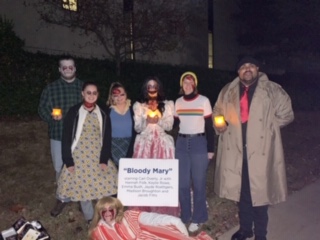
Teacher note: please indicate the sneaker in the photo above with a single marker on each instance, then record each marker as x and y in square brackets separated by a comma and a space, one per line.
[193, 227]
[58, 208]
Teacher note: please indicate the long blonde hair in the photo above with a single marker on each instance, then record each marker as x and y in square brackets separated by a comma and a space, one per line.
[113, 203]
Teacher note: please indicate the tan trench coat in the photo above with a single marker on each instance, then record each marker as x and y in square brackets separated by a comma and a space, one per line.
[270, 110]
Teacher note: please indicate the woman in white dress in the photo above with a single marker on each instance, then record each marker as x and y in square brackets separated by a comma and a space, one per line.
[153, 116]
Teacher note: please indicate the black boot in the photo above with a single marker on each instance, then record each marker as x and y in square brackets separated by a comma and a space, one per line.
[58, 208]
[241, 235]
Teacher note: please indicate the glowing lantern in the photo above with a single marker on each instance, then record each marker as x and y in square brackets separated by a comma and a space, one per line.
[219, 121]
[153, 114]
[57, 112]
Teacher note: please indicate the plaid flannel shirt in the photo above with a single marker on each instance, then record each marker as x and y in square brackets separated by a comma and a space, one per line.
[58, 94]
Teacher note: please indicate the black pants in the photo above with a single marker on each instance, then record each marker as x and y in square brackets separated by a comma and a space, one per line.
[251, 216]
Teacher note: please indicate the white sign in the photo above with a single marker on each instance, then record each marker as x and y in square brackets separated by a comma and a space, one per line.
[148, 182]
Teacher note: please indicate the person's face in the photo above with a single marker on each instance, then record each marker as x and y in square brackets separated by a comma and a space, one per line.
[67, 70]
[119, 96]
[90, 94]
[248, 73]
[188, 85]
[152, 87]
[108, 213]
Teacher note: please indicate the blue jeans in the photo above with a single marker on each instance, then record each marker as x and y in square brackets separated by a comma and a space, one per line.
[193, 163]
[87, 209]
[56, 155]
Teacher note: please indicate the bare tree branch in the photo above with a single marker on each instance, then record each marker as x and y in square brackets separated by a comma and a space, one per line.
[151, 26]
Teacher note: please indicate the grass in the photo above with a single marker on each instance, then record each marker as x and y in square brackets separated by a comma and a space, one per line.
[27, 178]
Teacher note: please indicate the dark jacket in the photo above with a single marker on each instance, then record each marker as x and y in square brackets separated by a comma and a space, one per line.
[70, 126]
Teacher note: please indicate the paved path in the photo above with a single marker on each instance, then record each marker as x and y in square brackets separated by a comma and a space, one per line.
[296, 219]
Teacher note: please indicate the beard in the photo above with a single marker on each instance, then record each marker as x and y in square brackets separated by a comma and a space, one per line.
[247, 79]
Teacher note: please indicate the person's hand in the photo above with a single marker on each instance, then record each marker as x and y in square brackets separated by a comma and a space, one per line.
[222, 129]
[103, 166]
[152, 120]
[210, 155]
[71, 169]
[55, 117]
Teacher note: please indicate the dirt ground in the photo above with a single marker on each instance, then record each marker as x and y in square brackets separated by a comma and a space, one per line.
[27, 186]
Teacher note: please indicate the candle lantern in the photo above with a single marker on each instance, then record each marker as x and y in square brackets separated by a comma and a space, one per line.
[57, 112]
[219, 121]
[153, 114]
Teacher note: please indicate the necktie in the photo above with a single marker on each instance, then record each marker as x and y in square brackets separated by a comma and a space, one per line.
[244, 106]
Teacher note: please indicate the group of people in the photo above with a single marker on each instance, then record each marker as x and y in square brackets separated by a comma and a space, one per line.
[88, 139]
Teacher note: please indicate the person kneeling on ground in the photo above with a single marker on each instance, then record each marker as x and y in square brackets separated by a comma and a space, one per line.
[110, 221]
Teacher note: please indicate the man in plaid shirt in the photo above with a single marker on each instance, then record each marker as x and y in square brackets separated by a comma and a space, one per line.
[60, 94]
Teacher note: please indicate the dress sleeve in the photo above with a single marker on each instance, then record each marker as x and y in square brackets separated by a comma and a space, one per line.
[140, 117]
[166, 121]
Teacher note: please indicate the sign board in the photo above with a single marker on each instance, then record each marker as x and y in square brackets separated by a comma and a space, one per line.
[148, 182]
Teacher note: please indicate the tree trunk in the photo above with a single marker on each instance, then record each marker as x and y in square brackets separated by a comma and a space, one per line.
[118, 67]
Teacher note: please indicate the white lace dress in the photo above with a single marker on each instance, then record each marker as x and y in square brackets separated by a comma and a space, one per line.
[152, 141]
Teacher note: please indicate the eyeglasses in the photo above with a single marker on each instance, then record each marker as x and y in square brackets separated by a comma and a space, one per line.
[91, 93]
[68, 67]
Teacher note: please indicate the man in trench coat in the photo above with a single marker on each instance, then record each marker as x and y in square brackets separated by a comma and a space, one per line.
[250, 167]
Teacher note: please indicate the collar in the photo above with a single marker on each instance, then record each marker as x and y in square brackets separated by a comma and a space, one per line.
[120, 111]
[190, 96]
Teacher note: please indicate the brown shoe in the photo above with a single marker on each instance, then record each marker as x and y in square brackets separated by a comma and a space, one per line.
[58, 208]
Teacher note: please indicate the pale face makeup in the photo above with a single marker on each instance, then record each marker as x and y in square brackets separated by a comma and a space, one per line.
[67, 70]
[90, 94]
[108, 214]
[152, 87]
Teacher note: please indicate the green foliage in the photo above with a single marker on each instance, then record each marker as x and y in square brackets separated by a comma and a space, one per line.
[20, 93]
[9, 42]
[20, 96]
[10, 50]
[210, 81]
